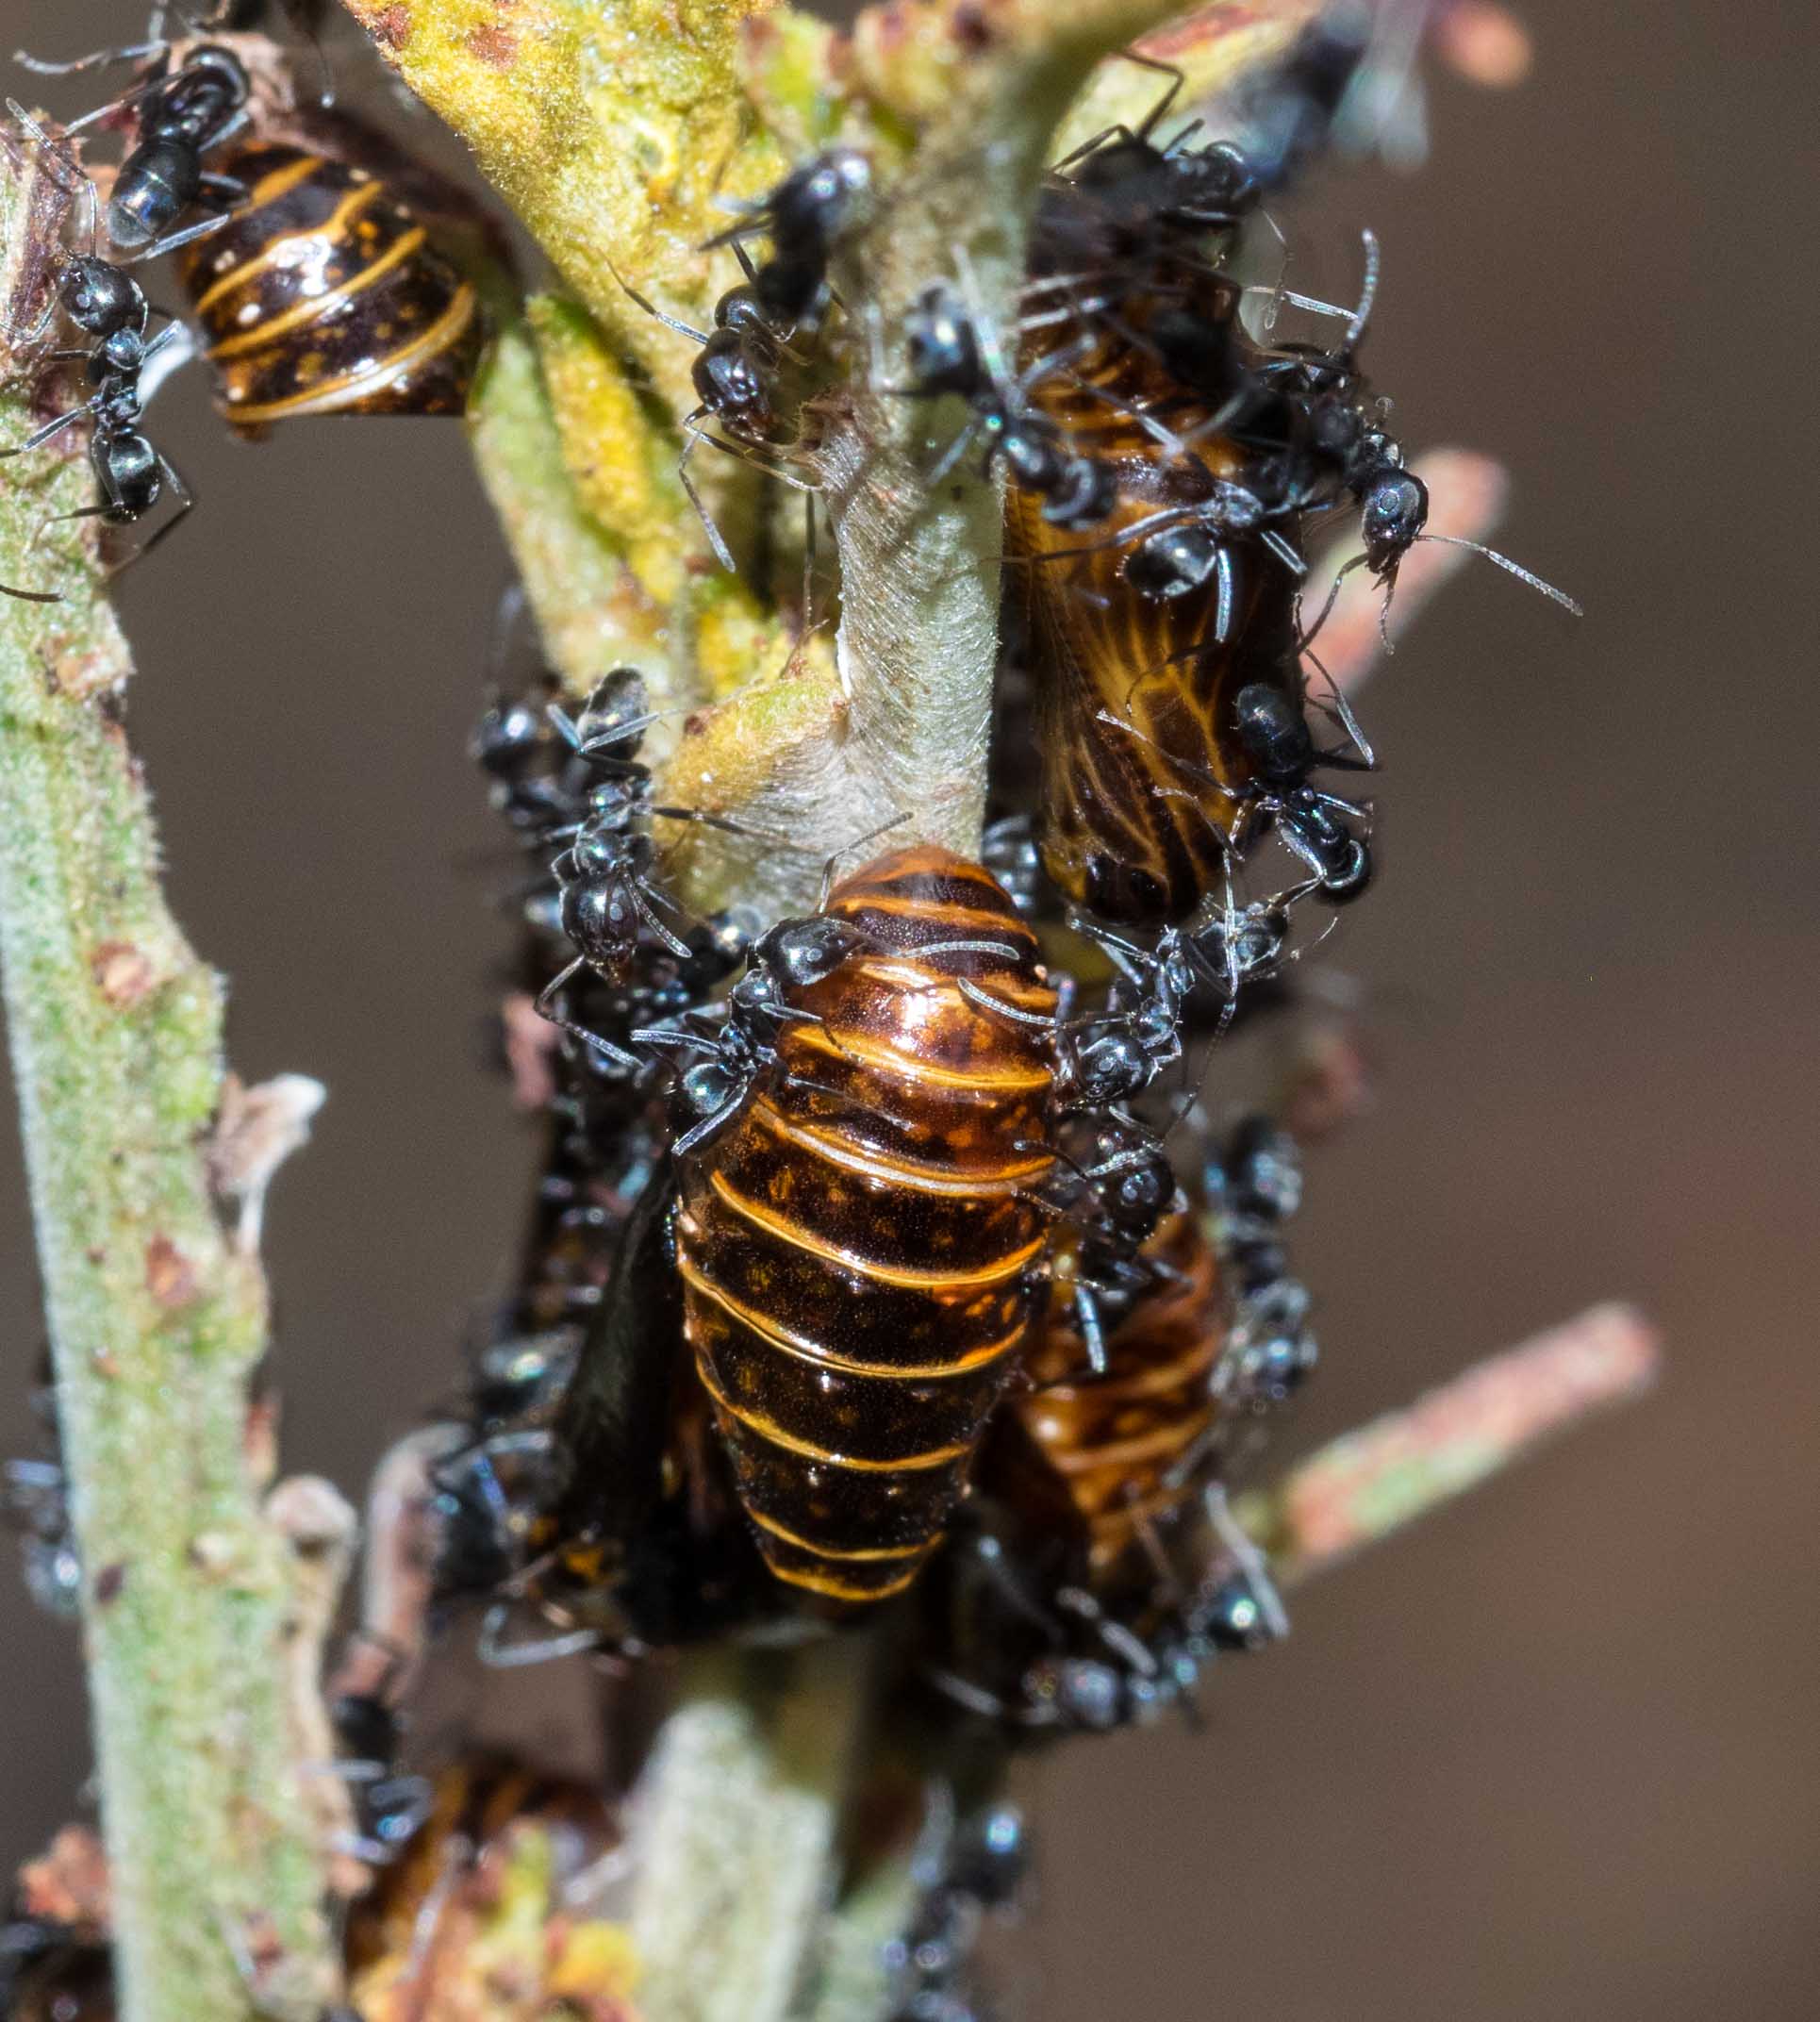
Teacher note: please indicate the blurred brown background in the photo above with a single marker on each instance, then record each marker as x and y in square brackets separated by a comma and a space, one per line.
[1553, 1756]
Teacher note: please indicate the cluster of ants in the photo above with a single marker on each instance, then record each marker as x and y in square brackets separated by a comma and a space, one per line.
[1164, 467]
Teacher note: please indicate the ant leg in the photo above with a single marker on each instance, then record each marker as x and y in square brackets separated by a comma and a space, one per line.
[1284, 550]
[1114, 1636]
[51, 428]
[1340, 575]
[722, 552]
[956, 449]
[95, 60]
[545, 1008]
[185, 504]
[500, 1655]
[846, 848]
[203, 228]
[32, 596]
[1093, 1335]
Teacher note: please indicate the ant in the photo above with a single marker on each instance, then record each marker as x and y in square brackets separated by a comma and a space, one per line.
[1254, 1186]
[793, 955]
[1130, 1185]
[951, 352]
[608, 893]
[802, 217]
[1275, 737]
[1323, 396]
[389, 1808]
[740, 356]
[106, 303]
[180, 115]
[1119, 1053]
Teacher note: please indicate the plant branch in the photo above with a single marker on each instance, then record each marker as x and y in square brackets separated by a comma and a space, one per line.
[157, 1317]
[735, 1827]
[1376, 1480]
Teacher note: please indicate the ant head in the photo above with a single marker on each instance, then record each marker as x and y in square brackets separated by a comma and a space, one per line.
[598, 917]
[1112, 1066]
[1212, 186]
[797, 952]
[1136, 1196]
[99, 297]
[712, 1085]
[729, 381]
[1394, 511]
[941, 344]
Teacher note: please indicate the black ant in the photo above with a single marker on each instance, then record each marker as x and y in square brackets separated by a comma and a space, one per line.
[106, 302]
[1275, 736]
[389, 1808]
[1323, 406]
[1254, 1186]
[1119, 1053]
[179, 116]
[606, 874]
[1130, 1186]
[802, 217]
[789, 956]
[741, 355]
[951, 352]
[1127, 199]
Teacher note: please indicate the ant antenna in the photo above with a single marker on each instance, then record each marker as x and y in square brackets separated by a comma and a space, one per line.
[1515, 568]
[1367, 294]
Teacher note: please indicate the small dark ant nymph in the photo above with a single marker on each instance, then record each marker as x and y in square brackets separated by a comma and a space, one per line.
[950, 351]
[179, 116]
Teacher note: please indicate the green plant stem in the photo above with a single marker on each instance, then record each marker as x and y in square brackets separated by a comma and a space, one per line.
[735, 1826]
[156, 1318]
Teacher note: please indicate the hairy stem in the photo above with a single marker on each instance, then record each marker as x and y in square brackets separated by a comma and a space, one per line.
[156, 1318]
